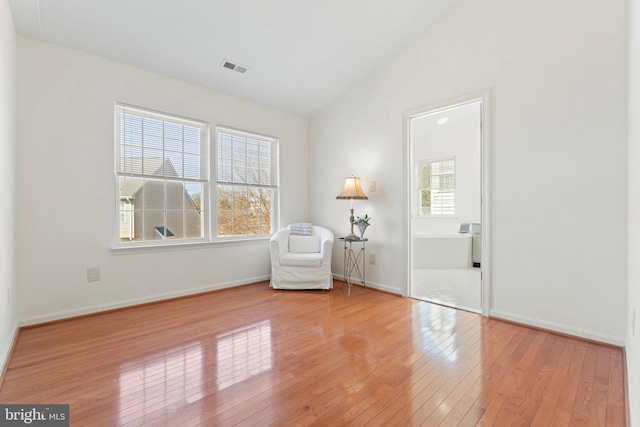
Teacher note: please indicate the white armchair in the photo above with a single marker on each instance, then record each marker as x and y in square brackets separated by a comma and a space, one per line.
[301, 262]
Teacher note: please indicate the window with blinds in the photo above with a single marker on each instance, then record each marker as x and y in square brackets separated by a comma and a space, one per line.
[247, 185]
[162, 176]
[437, 187]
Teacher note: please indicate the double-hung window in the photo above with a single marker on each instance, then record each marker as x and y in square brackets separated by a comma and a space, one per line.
[162, 172]
[437, 187]
[247, 185]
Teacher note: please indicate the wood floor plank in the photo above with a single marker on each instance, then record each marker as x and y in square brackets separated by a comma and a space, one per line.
[547, 412]
[582, 403]
[526, 398]
[615, 399]
[520, 360]
[252, 356]
[598, 412]
[570, 387]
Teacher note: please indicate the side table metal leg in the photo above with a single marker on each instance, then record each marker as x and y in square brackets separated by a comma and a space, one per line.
[344, 265]
[364, 270]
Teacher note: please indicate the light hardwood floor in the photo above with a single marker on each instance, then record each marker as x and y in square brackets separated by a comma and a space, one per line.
[255, 356]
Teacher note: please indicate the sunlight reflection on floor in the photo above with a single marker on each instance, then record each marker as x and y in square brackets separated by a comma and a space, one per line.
[143, 384]
[244, 352]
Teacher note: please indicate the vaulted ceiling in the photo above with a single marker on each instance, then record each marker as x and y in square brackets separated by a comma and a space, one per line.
[300, 55]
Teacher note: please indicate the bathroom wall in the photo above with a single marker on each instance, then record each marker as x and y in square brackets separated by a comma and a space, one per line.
[459, 137]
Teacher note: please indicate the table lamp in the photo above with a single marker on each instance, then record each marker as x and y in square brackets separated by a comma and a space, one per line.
[352, 191]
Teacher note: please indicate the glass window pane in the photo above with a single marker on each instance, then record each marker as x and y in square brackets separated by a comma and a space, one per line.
[153, 142]
[266, 223]
[265, 198]
[239, 223]
[254, 223]
[152, 225]
[130, 137]
[171, 144]
[130, 160]
[193, 224]
[194, 194]
[176, 195]
[240, 201]
[225, 223]
[172, 130]
[225, 197]
[152, 163]
[192, 147]
[191, 166]
[152, 126]
[191, 139]
[173, 164]
[131, 123]
[175, 223]
[131, 189]
[425, 175]
[154, 195]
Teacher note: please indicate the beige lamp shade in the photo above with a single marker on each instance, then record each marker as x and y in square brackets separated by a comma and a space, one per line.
[352, 190]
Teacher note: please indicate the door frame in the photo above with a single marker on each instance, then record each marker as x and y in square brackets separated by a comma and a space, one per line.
[483, 97]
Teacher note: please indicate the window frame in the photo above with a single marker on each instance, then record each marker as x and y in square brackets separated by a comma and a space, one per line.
[273, 186]
[203, 181]
[420, 189]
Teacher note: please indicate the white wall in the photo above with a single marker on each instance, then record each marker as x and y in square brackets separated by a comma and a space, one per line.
[633, 331]
[65, 184]
[557, 74]
[7, 182]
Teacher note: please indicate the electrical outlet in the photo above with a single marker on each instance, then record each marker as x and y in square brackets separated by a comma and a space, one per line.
[372, 258]
[93, 274]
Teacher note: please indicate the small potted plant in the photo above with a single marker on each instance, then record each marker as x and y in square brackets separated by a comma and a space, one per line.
[362, 222]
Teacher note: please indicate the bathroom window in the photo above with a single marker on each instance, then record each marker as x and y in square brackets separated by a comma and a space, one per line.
[437, 187]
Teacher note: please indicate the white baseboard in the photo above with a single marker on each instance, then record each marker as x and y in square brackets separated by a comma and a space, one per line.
[528, 321]
[372, 285]
[555, 327]
[6, 351]
[136, 301]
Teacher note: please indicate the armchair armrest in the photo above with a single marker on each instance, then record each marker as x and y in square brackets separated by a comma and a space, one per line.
[326, 247]
[278, 245]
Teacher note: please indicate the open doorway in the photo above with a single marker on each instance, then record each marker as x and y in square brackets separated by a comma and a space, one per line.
[446, 223]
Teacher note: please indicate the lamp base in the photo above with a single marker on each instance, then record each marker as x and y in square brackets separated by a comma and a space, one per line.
[351, 235]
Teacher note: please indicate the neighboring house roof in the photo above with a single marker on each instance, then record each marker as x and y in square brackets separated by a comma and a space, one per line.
[138, 166]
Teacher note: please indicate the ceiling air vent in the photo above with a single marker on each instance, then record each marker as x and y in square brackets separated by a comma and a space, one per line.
[233, 66]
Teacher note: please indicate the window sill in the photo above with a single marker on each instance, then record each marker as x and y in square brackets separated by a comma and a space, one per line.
[150, 248]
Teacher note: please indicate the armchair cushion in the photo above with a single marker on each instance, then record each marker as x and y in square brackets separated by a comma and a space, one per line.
[304, 244]
[301, 259]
